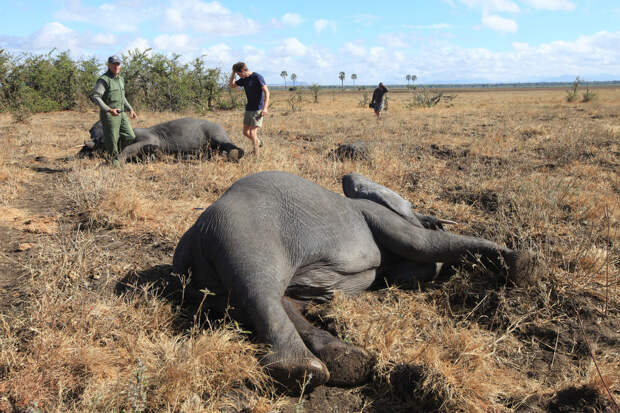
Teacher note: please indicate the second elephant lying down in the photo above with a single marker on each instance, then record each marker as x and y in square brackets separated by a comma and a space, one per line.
[181, 136]
[275, 240]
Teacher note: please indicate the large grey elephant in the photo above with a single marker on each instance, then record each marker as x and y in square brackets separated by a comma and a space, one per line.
[182, 136]
[274, 241]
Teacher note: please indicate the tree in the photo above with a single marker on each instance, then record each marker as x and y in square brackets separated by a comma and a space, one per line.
[283, 75]
[315, 91]
[408, 77]
[413, 78]
[353, 77]
[293, 78]
[341, 76]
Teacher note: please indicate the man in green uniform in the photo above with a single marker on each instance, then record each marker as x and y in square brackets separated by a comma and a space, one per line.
[109, 94]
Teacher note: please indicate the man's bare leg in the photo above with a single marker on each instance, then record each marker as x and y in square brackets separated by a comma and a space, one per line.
[251, 132]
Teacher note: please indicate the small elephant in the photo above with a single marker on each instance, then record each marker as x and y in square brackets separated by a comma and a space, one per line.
[275, 241]
[181, 136]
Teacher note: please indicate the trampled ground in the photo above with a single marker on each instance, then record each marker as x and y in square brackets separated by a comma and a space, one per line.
[80, 330]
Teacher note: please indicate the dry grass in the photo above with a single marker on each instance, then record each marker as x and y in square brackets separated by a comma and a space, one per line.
[522, 168]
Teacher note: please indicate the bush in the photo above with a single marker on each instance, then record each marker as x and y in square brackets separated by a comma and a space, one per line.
[425, 98]
[315, 92]
[588, 95]
[43, 83]
[363, 103]
[295, 101]
[571, 94]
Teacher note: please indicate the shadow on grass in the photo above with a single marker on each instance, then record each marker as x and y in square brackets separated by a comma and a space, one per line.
[192, 307]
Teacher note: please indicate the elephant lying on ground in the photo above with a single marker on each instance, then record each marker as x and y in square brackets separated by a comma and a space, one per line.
[275, 240]
[181, 136]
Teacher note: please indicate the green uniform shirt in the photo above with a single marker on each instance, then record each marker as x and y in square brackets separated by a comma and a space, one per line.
[109, 92]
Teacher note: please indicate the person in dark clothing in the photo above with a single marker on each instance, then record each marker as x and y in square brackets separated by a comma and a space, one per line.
[257, 94]
[378, 99]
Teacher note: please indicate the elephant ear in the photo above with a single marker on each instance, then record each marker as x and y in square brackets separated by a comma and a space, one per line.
[96, 134]
[358, 186]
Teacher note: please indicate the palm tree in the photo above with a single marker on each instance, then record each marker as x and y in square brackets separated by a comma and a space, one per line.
[293, 78]
[413, 78]
[353, 77]
[283, 75]
[341, 76]
[408, 77]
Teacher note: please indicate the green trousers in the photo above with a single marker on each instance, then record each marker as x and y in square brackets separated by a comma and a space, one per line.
[117, 133]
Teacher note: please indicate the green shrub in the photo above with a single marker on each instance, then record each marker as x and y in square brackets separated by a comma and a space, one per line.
[54, 81]
[588, 95]
[315, 92]
[571, 94]
[425, 98]
[364, 101]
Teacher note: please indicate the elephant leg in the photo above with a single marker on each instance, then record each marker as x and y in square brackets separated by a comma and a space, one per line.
[138, 148]
[348, 365]
[232, 152]
[288, 360]
[407, 274]
[427, 246]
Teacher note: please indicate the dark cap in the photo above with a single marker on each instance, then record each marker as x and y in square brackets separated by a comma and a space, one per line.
[114, 59]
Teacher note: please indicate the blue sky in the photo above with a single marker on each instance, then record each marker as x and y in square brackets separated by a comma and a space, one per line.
[438, 41]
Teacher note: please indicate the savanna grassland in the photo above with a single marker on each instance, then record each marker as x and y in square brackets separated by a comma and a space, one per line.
[87, 324]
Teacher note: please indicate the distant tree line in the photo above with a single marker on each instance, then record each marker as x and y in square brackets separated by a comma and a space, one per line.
[153, 81]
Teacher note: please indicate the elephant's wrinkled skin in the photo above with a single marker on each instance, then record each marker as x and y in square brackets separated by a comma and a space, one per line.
[274, 240]
[182, 136]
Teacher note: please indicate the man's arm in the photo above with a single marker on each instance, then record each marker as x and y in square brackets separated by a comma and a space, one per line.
[231, 82]
[97, 95]
[266, 92]
[132, 113]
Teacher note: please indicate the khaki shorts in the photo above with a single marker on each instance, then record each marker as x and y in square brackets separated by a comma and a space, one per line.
[251, 118]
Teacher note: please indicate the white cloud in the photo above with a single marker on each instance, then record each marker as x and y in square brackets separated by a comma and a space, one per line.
[438, 26]
[355, 50]
[211, 18]
[177, 43]
[365, 19]
[292, 19]
[292, 47]
[54, 35]
[107, 7]
[104, 39]
[587, 56]
[551, 4]
[437, 60]
[393, 41]
[320, 25]
[519, 46]
[499, 24]
[219, 55]
[106, 15]
[505, 6]
[141, 44]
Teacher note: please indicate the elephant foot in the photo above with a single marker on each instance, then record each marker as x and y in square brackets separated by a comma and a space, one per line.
[348, 365]
[234, 155]
[297, 375]
[521, 265]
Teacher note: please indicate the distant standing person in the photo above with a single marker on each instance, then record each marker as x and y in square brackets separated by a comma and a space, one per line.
[378, 99]
[257, 94]
[109, 94]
